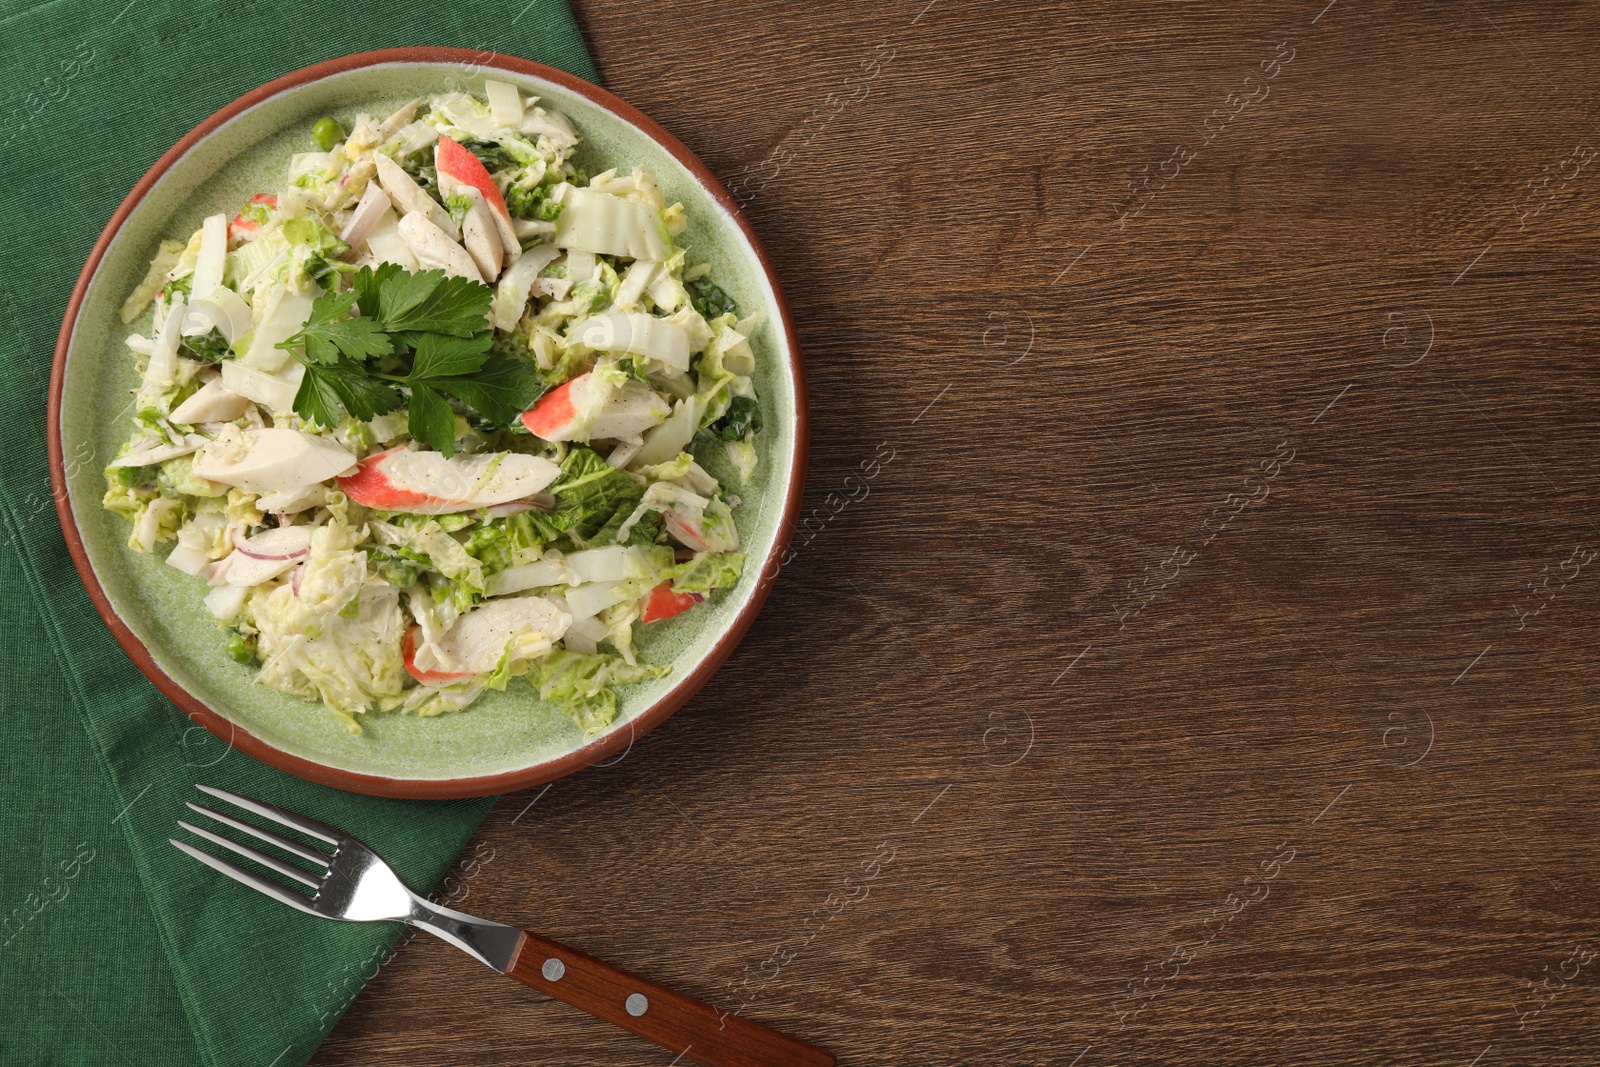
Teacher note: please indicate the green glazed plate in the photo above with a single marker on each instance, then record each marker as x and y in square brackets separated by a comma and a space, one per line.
[506, 740]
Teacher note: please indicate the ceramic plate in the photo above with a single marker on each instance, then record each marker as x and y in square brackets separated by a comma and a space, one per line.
[506, 740]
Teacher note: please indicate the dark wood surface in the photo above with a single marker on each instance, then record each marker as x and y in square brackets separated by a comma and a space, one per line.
[1206, 393]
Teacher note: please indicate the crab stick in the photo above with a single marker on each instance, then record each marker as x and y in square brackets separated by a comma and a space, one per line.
[477, 640]
[242, 229]
[457, 168]
[410, 197]
[434, 248]
[427, 483]
[586, 409]
[663, 603]
[271, 460]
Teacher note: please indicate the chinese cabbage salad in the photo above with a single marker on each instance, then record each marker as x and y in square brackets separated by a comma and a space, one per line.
[427, 417]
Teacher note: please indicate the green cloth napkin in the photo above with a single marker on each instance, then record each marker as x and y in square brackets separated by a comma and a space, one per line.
[114, 947]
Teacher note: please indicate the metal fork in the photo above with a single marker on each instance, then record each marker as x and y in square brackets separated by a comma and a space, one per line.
[350, 882]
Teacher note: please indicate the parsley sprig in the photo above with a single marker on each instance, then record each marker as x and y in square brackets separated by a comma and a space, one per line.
[418, 339]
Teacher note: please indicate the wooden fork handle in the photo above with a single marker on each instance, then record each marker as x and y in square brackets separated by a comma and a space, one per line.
[694, 1030]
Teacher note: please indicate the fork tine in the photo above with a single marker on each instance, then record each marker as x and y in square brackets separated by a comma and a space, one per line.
[294, 847]
[320, 831]
[254, 881]
[288, 870]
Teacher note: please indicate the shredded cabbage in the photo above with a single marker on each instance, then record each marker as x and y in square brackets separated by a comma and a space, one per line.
[581, 684]
[369, 607]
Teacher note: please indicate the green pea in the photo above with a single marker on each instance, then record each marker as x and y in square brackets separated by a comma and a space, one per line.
[239, 648]
[327, 133]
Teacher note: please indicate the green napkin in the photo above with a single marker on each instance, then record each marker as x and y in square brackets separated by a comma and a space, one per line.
[114, 947]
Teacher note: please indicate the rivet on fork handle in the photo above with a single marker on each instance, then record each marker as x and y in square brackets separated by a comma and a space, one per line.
[693, 1029]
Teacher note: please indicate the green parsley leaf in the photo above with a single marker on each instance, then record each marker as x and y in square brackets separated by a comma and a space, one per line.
[501, 389]
[363, 397]
[431, 302]
[326, 387]
[329, 332]
[439, 356]
[441, 324]
[367, 283]
[402, 291]
[315, 400]
[358, 338]
[431, 421]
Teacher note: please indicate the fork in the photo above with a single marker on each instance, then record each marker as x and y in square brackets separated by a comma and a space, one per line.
[350, 882]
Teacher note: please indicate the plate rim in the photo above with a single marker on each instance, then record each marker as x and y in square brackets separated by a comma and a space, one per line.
[236, 736]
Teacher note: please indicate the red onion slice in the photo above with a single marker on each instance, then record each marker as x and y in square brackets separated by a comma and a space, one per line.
[283, 543]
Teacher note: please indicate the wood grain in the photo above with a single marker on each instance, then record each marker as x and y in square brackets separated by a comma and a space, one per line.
[1047, 749]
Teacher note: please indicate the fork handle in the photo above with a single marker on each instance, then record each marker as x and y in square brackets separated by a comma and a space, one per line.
[691, 1028]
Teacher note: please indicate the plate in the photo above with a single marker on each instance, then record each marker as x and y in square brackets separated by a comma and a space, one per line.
[505, 741]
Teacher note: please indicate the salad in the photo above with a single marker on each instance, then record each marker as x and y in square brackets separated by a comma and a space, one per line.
[427, 418]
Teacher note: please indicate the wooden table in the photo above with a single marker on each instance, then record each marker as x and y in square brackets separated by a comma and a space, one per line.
[1190, 657]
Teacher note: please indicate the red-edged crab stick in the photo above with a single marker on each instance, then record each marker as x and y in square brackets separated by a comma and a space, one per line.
[573, 412]
[426, 483]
